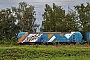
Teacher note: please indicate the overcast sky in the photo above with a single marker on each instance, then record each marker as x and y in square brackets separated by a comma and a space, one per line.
[40, 5]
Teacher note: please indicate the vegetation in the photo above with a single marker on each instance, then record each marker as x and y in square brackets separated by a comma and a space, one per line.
[17, 19]
[55, 19]
[64, 52]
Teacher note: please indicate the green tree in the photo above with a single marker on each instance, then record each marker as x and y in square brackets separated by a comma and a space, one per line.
[46, 16]
[26, 17]
[7, 24]
[56, 20]
[53, 18]
[84, 16]
[71, 20]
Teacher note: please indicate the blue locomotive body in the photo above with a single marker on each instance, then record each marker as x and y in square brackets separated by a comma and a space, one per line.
[50, 37]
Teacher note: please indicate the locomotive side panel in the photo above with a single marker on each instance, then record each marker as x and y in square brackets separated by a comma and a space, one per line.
[50, 37]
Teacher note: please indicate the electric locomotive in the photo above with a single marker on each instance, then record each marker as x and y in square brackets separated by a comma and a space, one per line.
[50, 37]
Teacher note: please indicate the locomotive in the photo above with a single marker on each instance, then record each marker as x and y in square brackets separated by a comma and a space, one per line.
[49, 37]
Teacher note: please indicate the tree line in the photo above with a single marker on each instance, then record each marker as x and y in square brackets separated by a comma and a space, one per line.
[55, 19]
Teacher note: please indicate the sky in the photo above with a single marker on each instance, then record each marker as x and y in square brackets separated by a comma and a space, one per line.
[40, 5]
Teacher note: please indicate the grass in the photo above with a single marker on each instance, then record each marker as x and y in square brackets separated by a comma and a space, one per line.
[42, 52]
